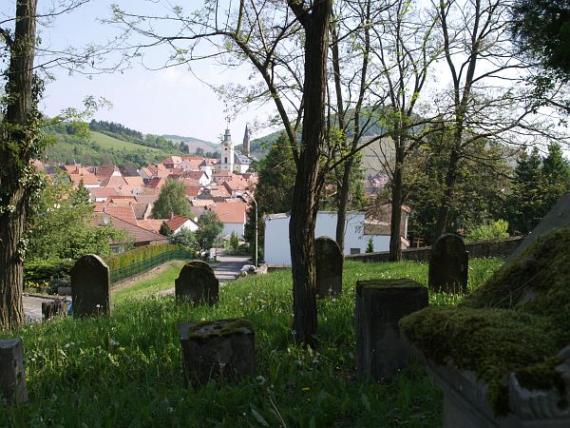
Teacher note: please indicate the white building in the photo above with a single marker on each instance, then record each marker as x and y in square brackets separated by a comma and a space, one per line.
[277, 250]
[227, 161]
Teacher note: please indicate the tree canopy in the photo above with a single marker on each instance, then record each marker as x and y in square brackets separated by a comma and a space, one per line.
[171, 200]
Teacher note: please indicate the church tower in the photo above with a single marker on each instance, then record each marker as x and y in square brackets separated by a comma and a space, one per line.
[227, 162]
[246, 141]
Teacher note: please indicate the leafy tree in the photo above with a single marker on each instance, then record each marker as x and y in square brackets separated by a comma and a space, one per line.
[210, 229]
[542, 28]
[274, 191]
[62, 225]
[171, 200]
[165, 230]
[234, 242]
[490, 231]
[370, 246]
[186, 238]
[556, 172]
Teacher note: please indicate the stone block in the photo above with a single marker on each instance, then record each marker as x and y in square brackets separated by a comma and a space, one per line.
[197, 284]
[448, 265]
[12, 372]
[54, 308]
[223, 350]
[329, 267]
[380, 304]
[90, 287]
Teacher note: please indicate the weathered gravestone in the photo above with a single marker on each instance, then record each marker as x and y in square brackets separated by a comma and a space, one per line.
[380, 304]
[90, 287]
[54, 308]
[329, 267]
[448, 264]
[197, 284]
[12, 372]
[223, 349]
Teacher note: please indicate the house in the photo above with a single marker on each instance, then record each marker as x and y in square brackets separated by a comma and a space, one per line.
[233, 214]
[136, 235]
[277, 250]
[178, 223]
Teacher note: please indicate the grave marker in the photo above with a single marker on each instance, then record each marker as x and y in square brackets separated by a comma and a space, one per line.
[12, 372]
[90, 287]
[448, 264]
[329, 267]
[197, 284]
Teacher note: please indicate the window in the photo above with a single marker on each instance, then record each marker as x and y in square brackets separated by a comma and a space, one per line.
[355, 251]
[225, 160]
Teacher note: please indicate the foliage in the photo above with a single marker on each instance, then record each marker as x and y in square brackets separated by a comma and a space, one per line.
[542, 28]
[61, 226]
[171, 200]
[370, 246]
[234, 242]
[165, 229]
[479, 191]
[45, 270]
[210, 228]
[101, 363]
[274, 191]
[537, 186]
[185, 238]
[490, 231]
[137, 255]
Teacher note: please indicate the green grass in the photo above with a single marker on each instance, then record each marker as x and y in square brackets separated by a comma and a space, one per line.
[108, 142]
[126, 370]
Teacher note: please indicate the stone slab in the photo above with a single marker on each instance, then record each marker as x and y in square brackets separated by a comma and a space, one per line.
[12, 372]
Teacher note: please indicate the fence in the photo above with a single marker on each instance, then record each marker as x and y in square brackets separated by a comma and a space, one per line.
[141, 266]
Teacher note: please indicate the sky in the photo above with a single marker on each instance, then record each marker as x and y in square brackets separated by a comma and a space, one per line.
[170, 101]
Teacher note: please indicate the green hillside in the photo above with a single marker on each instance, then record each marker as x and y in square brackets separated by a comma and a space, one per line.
[95, 148]
[194, 144]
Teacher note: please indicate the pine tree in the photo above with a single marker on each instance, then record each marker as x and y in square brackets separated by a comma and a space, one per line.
[171, 200]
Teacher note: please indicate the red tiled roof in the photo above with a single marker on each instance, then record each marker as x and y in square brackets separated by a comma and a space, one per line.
[176, 221]
[137, 233]
[230, 212]
[122, 212]
[193, 191]
[151, 224]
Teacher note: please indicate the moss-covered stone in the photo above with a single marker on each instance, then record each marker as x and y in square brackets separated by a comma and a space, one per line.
[515, 322]
[220, 328]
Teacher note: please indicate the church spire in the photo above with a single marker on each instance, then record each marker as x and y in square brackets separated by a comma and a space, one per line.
[246, 141]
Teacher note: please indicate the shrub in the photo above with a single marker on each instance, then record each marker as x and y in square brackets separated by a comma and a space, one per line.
[491, 231]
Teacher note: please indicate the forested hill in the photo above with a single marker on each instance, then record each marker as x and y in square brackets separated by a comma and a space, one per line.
[99, 143]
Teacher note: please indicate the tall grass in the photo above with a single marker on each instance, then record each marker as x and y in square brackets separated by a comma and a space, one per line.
[125, 370]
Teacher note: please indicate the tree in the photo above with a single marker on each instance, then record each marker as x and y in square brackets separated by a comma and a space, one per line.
[186, 238]
[61, 225]
[234, 242]
[556, 173]
[171, 201]
[165, 229]
[541, 29]
[370, 246]
[210, 229]
[274, 190]
[19, 143]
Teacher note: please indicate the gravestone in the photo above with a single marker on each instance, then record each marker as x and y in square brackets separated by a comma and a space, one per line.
[54, 308]
[197, 284]
[329, 267]
[380, 304]
[448, 264]
[12, 372]
[90, 287]
[557, 217]
[222, 350]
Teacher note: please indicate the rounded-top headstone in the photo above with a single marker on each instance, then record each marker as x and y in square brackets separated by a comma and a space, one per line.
[197, 284]
[90, 286]
[329, 267]
[448, 264]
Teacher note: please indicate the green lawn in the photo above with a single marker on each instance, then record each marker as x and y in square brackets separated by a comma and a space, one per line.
[126, 370]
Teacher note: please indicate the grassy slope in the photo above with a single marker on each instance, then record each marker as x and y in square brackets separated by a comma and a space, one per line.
[108, 142]
[126, 370]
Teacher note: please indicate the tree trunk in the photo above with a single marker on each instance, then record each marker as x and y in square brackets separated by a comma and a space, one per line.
[307, 185]
[16, 151]
[343, 203]
[396, 217]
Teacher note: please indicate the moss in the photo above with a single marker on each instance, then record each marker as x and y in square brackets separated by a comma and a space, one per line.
[543, 376]
[220, 328]
[517, 321]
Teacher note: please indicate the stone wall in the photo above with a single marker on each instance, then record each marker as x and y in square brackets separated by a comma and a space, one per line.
[477, 249]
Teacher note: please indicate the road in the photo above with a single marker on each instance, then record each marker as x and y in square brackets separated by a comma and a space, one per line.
[226, 270]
